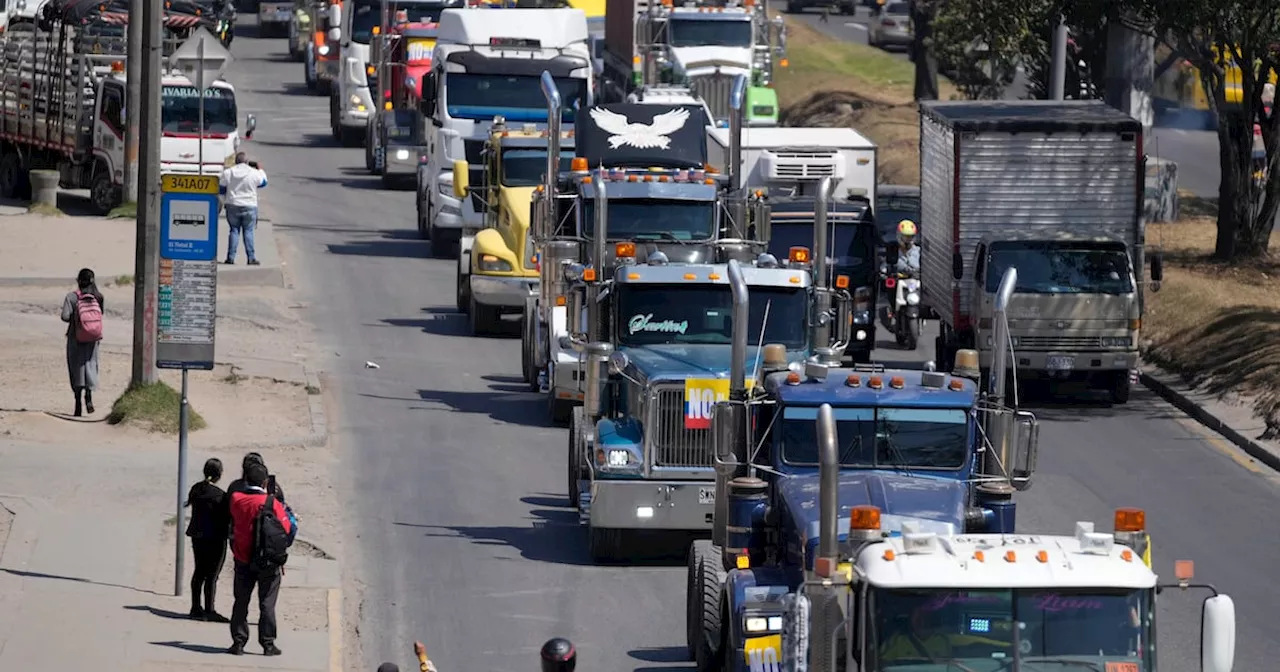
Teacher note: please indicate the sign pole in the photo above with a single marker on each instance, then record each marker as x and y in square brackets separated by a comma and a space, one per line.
[200, 89]
[180, 549]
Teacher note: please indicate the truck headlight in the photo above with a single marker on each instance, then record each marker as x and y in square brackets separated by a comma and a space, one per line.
[619, 458]
[323, 50]
[757, 624]
[913, 299]
[492, 264]
[402, 155]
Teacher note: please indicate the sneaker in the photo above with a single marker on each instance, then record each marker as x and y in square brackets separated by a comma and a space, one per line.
[215, 617]
[271, 650]
[236, 650]
[229, 262]
[254, 262]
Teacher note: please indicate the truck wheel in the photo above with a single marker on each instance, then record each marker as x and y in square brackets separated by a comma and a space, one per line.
[605, 544]
[369, 164]
[103, 194]
[912, 334]
[1121, 386]
[11, 175]
[573, 462]
[309, 74]
[462, 296]
[528, 341]
[334, 127]
[702, 598]
[484, 319]
[559, 410]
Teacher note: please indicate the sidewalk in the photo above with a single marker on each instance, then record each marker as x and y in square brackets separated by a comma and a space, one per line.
[44, 251]
[86, 572]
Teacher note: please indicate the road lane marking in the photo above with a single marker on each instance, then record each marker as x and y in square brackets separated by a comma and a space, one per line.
[1227, 448]
[859, 26]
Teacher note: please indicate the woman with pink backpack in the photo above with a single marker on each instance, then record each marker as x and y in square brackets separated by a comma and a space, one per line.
[82, 311]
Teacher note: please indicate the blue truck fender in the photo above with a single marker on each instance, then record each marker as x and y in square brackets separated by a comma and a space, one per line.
[759, 591]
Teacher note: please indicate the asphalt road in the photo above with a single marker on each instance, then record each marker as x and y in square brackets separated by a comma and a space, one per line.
[454, 482]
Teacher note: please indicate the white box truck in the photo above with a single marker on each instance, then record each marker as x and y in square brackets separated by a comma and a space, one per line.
[787, 160]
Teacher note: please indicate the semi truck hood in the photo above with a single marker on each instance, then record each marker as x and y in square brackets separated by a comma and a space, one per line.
[516, 200]
[181, 152]
[1066, 312]
[694, 61]
[681, 362]
[936, 504]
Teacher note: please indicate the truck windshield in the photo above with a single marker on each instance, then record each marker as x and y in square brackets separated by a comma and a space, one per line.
[701, 314]
[366, 15]
[180, 110]
[1046, 267]
[1056, 629]
[888, 438]
[525, 167]
[471, 96]
[704, 33]
[650, 219]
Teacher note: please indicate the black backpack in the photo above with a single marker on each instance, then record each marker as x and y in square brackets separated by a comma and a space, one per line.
[270, 540]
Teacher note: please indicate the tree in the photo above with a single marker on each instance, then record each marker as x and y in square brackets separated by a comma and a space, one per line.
[1235, 46]
[981, 42]
[922, 53]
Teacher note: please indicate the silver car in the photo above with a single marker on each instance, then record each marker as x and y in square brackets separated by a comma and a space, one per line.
[890, 26]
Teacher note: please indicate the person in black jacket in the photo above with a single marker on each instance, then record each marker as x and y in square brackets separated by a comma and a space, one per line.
[239, 485]
[208, 530]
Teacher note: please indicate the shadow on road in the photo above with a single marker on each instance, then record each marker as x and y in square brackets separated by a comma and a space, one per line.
[392, 243]
[443, 324]
[513, 404]
[664, 657]
[368, 183]
[295, 89]
[1076, 403]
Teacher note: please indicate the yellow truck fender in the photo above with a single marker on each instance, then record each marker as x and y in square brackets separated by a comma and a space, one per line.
[489, 241]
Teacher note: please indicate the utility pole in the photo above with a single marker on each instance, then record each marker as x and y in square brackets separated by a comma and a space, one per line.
[1058, 64]
[133, 79]
[147, 263]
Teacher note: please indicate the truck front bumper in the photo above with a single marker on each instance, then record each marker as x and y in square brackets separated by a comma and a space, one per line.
[402, 160]
[503, 291]
[650, 505]
[1062, 364]
[350, 114]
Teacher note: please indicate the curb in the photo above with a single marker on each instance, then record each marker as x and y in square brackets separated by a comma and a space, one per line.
[334, 603]
[1202, 415]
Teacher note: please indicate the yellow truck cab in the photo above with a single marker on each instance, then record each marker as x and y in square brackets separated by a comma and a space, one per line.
[500, 271]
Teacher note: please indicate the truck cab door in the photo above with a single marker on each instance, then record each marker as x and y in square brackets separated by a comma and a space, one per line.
[492, 218]
[108, 125]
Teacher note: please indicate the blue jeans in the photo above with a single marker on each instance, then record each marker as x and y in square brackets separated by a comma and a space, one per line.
[241, 221]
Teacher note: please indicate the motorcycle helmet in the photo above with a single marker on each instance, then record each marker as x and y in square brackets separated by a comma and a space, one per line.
[906, 232]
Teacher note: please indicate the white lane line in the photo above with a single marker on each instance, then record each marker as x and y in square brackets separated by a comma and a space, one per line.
[858, 26]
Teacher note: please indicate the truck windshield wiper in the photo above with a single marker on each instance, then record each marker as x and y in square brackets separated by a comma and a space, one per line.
[1032, 660]
[897, 459]
[662, 235]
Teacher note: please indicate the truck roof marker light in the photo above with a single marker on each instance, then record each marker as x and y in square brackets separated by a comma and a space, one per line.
[793, 378]
[561, 301]
[799, 255]
[956, 385]
[713, 276]
[589, 274]
[1042, 556]
[853, 381]
[864, 517]
[979, 556]
[708, 181]
[1131, 520]
[633, 178]
[784, 63]
[624, 250]
[579, 164]
[875, 383]
[664, 178]
[690, 276]
[842, 282]
[1126, 555]
[387, 105]
[889, 555]
[742, 561]
[709, 169]
[377, 30]
[633, 276]
[795, 279]
[1010, 556]
[648, 178]
[897, 382]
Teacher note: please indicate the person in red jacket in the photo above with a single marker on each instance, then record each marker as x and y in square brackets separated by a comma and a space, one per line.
[245, 506]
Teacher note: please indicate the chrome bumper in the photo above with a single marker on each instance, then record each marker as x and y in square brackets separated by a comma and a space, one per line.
[1084, 362]
[503, 291]
[649, 505]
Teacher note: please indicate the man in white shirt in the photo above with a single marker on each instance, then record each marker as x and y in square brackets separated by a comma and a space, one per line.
[239, 187]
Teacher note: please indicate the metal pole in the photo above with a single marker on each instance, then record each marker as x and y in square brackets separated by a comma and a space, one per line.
[147, 262]
[1058, 63]
[200, 90]
[132, 80]
[179, 548]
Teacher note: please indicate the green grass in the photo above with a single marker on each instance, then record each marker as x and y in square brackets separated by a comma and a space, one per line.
[124, 211]
[122, 280]
[153, 407]
[44, 209]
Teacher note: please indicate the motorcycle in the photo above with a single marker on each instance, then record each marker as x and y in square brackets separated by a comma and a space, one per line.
[904, 311]
[226, 26]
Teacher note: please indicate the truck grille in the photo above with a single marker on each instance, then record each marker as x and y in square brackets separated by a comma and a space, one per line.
[714, 90]
[666, 436]
[1059, 342]
[796, 165]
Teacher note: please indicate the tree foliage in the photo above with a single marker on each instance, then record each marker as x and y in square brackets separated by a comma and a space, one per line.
[1213, 36]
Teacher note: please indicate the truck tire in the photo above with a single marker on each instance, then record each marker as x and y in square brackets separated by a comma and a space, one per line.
[369, 163]
[335, 128]
[528, 341]
[573, 462]
[560, 411]
[703, 597]
[462, 297]
[605, 545]
[1121, 386]
[912, 335]
[12, 175]
[103, 194]
[484, 320]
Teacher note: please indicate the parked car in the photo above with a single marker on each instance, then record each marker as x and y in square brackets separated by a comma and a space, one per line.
[890, 26]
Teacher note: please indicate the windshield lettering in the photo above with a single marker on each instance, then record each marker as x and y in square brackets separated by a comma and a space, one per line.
[1055, 603]
[180, 110]
[646, 323]
[945, 600]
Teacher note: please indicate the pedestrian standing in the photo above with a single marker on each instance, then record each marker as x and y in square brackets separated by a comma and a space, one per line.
[82, 311]
[239, 185]
[208, 531]
[240, 484]
[260, 546]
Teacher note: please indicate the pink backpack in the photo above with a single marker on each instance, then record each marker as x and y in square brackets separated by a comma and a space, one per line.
[88, 318]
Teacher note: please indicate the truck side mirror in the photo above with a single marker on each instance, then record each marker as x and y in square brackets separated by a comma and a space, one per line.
[1217, 634]
[957, 266]
[461, 178]
[1026, 444]
[1157, 267]
[335, 35]
[335, 18]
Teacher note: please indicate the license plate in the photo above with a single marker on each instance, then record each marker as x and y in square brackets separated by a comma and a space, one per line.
[706, 495]
[1060, 362]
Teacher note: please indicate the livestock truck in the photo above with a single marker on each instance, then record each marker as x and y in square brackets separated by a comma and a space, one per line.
[62, 97]
[1054, 188]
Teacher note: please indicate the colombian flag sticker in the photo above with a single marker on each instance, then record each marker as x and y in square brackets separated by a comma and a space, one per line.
[700, 396]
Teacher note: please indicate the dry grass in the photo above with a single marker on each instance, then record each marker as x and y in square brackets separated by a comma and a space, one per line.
[1216, 324]
[841, 84]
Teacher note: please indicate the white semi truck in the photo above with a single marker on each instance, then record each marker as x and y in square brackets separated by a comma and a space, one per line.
[487, 64]
[1055, 189]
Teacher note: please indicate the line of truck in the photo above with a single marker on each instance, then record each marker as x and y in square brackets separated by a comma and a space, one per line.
[697, 296]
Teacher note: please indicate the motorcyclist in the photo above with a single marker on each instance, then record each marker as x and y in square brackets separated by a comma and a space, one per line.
[908, 251]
